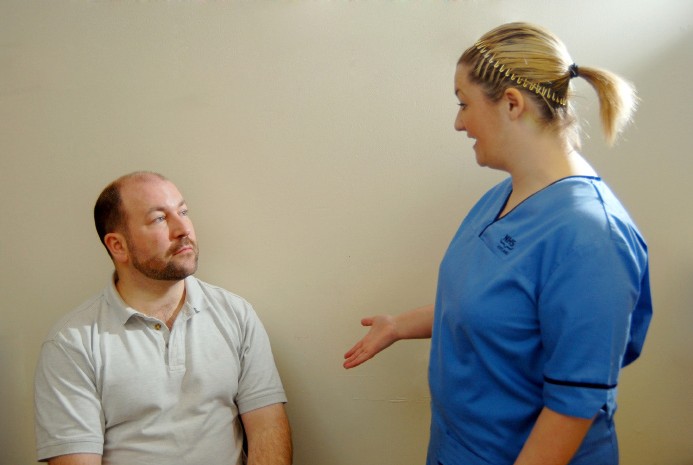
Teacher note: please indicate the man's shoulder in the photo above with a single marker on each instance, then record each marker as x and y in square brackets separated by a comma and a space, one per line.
[81, 319]
[203, 293]
[211, 289]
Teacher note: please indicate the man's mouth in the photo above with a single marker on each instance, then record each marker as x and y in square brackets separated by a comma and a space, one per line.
[186, 246]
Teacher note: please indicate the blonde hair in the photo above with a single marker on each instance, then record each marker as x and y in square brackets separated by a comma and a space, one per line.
[534, 60]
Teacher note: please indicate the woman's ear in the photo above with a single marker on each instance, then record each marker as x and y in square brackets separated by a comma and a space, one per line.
[116, 244]
[514, 102]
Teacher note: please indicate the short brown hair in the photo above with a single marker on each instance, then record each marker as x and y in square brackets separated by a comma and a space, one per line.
[109, 214]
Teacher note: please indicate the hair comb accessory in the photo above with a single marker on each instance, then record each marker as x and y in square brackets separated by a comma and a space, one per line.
[574, 71]
[490, 69]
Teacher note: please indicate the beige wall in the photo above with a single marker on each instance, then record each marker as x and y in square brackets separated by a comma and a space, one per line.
[314, 143]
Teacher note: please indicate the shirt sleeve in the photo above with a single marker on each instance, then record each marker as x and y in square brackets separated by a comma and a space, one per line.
[68, 411]
[259, 383]
[593, 313]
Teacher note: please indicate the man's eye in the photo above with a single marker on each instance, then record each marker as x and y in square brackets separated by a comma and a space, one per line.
[184, 212]
[159, 219]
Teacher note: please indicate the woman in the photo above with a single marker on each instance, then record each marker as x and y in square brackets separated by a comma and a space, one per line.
[543, 294]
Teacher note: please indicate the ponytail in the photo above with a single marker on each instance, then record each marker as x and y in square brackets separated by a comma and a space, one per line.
[617, 100]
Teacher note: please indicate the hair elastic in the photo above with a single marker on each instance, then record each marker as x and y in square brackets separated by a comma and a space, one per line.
[574, 71]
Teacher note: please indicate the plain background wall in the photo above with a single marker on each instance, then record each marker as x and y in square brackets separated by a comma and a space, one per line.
[314, 143]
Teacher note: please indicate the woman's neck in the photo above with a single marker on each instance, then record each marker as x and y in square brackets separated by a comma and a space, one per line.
[542, 164]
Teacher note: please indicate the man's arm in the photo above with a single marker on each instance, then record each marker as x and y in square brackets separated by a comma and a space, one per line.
[76, 459]
[269, 436]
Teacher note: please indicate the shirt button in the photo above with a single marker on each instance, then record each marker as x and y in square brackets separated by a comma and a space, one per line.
[157, 326]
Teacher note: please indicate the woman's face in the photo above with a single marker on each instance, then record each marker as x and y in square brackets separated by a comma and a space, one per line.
[480, 119]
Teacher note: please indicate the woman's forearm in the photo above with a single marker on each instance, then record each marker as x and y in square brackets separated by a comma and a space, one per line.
[554, 439]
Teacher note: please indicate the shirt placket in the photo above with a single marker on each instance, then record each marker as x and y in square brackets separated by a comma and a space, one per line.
[171, 343]
[176, 341]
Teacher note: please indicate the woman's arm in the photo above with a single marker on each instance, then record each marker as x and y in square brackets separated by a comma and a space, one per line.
[386, 330]
[554, 439]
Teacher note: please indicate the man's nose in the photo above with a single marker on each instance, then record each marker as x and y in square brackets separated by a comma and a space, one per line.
[181, 227]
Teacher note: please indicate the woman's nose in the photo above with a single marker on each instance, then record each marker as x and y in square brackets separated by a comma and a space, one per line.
[459, 124]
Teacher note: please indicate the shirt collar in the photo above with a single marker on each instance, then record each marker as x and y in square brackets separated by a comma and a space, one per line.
[194, 300]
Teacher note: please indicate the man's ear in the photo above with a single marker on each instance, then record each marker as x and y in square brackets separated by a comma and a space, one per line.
[117, 245]
[515, 102]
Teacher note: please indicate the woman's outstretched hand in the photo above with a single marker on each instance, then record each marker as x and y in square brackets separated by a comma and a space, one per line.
[386, 330]
[383, 334]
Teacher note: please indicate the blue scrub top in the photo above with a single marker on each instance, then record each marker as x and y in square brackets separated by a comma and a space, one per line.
[541, 307]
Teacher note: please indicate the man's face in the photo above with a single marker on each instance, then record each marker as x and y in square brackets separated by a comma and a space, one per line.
[159, 234]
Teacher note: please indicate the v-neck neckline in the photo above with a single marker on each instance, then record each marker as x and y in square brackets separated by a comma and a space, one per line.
[507, 197]
[497, 216]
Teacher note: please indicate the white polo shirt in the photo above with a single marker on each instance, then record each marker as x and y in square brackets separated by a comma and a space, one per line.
[113, 381]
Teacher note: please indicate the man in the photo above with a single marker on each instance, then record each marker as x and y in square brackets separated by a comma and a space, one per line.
[160, 367]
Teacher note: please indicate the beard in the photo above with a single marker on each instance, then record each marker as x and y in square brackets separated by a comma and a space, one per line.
[163, 268]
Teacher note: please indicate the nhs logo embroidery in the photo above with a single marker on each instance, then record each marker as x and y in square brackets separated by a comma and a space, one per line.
[506, 244]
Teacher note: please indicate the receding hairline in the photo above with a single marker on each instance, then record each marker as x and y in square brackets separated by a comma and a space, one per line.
[109, 212]
[132, 179]
[139, 176]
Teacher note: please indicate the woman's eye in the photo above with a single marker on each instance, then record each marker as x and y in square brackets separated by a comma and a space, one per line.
[462, 105]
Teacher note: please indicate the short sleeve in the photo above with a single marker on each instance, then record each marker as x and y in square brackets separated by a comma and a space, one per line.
[259, 384]
[67, 407]
[593, 311]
